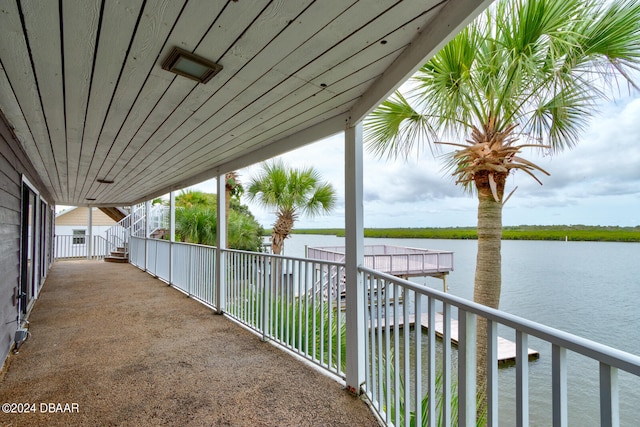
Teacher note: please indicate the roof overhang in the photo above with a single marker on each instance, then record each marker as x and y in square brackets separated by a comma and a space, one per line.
[84, 89]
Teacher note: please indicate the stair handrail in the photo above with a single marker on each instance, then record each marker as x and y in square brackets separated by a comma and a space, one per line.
[158, 218]
[137, 225]
[117, 236]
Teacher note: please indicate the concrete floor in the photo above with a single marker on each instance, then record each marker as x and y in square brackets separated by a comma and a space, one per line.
[118, 347]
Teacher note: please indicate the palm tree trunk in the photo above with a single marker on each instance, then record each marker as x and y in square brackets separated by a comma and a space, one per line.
[488, 267]
[281, 230]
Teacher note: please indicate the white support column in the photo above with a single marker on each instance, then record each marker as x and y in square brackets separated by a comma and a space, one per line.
[89, 236]
[221, 237]
[172, 232]
[354, 233]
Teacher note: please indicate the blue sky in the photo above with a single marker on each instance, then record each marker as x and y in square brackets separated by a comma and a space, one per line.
[595, 183]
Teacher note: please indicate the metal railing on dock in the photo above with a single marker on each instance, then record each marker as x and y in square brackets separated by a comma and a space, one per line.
[398, 261]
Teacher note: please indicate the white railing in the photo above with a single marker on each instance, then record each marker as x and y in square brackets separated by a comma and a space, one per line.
[74, 246]
[158, 218]
[117, 236]
[137, 221]
[158, 258]
[292, 302]
[288, 301]
[193, 271]
[185, 266]
[395, 260]
[399, 374]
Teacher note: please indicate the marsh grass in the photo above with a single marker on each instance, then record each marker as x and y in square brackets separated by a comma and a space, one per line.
[521, 232]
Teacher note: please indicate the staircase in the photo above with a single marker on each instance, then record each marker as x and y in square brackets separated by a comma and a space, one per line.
[117, 239]
[120, 254]
[139, 223]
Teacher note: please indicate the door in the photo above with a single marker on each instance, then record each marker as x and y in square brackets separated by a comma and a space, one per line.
[29, 265]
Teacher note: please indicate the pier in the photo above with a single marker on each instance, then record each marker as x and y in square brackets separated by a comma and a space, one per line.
[399, 261]
[506, 348]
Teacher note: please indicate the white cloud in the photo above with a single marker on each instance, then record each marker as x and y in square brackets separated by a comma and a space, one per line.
[597, 182]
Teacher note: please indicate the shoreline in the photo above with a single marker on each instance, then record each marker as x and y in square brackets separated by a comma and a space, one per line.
[521, 232]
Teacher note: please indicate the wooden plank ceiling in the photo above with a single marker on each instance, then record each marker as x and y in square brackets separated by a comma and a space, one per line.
[81, 83]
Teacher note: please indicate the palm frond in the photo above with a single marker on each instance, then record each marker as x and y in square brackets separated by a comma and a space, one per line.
[291, 190]
[396, 129]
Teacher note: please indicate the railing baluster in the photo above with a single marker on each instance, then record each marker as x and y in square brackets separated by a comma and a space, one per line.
[375, 292]
[396, 350]
[286, 284]
[330, 322]
[466, 368]
[265, 299]
[368, 365]
[315, 269]
[239, 288]
[559, 381]
[446, 364]
[522, 379]
[298, 305]
[338, 313]
[492, 373]
[417, 395]
[250, 291]
[373, 326]
[406, 332]
[305, 303]
[431, 373]
[281, 299]
[384, 340]
[322, 310]
[609, 405]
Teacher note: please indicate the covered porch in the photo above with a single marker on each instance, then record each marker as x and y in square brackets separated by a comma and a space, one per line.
[93, 112]
[130, 350]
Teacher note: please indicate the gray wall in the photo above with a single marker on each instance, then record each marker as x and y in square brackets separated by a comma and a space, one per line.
[13, 163]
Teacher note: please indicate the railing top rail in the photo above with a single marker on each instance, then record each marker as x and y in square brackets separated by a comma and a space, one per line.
[370, 250]
[339, 250]
[338, 264]
[419, 250]
[313, 260]
[608, 355]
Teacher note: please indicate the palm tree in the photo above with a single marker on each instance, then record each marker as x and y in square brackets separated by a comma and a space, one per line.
[232, 188]
[196, 222]
[526, 73]
[291, 192]
[194, 198]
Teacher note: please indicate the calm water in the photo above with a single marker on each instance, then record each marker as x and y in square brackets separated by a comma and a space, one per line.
[590, 289]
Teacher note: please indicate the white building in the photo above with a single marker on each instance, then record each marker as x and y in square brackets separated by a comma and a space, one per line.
[72, 231]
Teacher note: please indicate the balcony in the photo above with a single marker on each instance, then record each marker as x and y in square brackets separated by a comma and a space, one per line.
[129, 350]
[94, 119]
[122, 331]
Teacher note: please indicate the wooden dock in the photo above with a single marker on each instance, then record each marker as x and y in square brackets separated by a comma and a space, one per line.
[506, 348]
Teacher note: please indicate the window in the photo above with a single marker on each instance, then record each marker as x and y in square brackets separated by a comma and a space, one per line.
[78, 237]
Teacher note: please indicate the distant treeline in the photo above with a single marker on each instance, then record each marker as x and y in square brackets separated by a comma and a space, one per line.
[521, 232]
